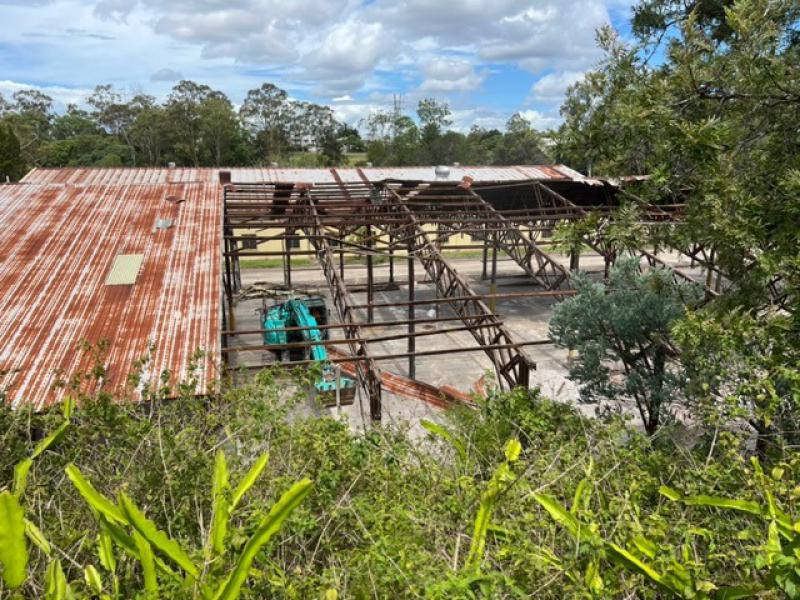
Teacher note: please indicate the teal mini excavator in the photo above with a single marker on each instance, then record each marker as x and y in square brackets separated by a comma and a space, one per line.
[307, 314]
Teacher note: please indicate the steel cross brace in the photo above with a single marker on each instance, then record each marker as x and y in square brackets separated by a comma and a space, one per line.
[366, 370]
[596, 243]
[512, 364]
[523, 250]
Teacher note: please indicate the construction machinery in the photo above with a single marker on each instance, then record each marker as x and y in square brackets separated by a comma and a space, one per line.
[295, 325]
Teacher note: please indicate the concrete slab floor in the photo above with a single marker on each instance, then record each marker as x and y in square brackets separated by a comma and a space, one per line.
[525, 318]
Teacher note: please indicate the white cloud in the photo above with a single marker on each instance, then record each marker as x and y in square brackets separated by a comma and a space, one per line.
[349, 51]
[553, 86]
[166, 74]
[447, 75]
[61, 95]
[540, 120]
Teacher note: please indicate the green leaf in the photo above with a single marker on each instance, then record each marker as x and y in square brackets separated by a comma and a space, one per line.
[148, 565]
[288, 502]
[630, 562]
[50, 439]
[219, 524]
[105, 551]
[94, 498]
[560, 514]
[158, 539]
[446, 435]
[670, 493]
[36, 536]
[580, 492]
[116, 533]
[480, 528]
[93, 579]
[592, 578]
[738, 592]
[13, 549]
[21, 476]
[513, 449]
[719, 502]
[247, 482]
[56, 587]
[68, 407]
[645, 546]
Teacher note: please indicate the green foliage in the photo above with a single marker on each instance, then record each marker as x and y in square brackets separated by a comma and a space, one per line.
[573, 509]
[625, 324]
[704, 102]
[501, 478]
[12, 163]
[14, 526]
[13, 550]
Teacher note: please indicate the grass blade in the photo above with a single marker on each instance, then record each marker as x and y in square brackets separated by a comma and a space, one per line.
[221, 508]
[446, 435]
[247, 482]
[93, 580]
[21, 476]
[50, 439]
[718, 502]
[36, 536]
[56, 587]
[95, 499]
[560, 514]
[148, 565]
[280, 511]
[157, 538]
[630, 562]
[13, 549]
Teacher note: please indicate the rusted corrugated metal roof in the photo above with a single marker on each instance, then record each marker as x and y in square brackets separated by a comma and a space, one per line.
[63, 229]
[157, 175]
[57, 246]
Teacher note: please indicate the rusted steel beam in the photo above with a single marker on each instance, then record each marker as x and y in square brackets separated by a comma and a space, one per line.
[380, 357]
[511, 363]
[597, 243]
[340, 342]
[362, 325]
[523, 250]
[367, 371]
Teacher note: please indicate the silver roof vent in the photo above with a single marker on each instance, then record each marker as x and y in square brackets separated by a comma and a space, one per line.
[442, 172]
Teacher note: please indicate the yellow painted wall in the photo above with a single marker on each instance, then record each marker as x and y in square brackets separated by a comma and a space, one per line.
[277, 245]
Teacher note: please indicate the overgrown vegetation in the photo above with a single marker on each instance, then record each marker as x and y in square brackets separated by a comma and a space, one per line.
[519, 498]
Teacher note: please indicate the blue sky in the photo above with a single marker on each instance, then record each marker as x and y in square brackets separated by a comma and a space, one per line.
[487, 59]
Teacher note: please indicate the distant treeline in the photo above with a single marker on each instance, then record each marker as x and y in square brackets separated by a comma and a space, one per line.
[199, 126]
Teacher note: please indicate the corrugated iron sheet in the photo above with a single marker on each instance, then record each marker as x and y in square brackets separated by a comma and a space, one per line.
[137, 176]
[62, 230]
[57, 245]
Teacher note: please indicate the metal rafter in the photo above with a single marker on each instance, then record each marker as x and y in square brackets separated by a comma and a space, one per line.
[366, 370]
[512, 364]
[598, 244]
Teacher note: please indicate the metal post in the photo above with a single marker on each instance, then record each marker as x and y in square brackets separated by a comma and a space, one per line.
[493, 285]
[391, 258]
[341, 261]
[370, 278]
[412, 366]
[288, 276]
[338, 373]
[485, 253]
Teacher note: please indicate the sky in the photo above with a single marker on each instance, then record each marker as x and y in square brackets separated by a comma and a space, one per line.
[488, 59]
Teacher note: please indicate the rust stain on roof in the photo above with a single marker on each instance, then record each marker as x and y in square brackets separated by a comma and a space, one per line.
[62, 230]
[140, 176]
[59, 241]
